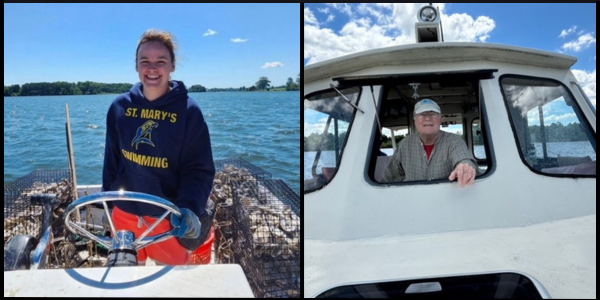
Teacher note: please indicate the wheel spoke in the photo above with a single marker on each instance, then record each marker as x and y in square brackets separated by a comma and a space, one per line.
[143, 235]
[80, 230]
[108, 215]
[143, 240]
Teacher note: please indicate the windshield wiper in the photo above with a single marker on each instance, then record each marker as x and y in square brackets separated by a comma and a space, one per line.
[347, 100]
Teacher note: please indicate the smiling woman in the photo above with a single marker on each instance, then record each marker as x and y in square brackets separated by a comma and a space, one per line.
[157, 142]
[155, 60]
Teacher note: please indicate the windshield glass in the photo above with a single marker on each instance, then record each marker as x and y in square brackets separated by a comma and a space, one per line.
[553, 135]
[327, 120]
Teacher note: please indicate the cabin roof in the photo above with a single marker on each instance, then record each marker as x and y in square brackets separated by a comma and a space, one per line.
[435, 52]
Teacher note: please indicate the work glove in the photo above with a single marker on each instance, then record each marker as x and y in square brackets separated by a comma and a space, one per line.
[187, 226]
[206, 220]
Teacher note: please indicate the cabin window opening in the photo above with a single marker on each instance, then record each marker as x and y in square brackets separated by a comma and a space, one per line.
[327, 120]
[552, 134]
[458, 99]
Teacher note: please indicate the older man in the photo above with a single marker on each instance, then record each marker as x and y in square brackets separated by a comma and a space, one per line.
[432, 153]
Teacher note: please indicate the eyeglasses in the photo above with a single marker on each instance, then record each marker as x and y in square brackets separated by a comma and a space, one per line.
[432, 115]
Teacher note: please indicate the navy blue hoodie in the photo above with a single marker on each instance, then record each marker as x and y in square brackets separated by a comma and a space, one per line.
[159, 147]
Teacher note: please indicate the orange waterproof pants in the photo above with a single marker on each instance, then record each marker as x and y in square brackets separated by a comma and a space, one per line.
[168, 252]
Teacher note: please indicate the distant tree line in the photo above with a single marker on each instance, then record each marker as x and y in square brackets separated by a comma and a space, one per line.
[65, 88]
[197, 88]
[557, 132]
[315, 142]
[387, 141]
[92, 88]
[263, 84]
[291, 85]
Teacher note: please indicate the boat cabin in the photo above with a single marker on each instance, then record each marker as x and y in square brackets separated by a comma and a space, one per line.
[531, 209]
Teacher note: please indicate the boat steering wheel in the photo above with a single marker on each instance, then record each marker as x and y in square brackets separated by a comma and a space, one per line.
[122, 240]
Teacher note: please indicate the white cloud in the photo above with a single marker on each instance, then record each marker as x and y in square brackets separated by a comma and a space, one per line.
[564, 118]
[309, 17]
[310, 128]
[274, 64]
[463, 28]
[582, 42]
[238, 40]
[322, 10]
[587, 82]
[210, 32]
[326, 11]
[342, 7]
[380, 25]
[564, 33]
[381, 13]
[319, 126]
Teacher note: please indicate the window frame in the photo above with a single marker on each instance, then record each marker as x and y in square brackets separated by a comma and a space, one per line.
[343, 144]
[479, 76]
[577, 111]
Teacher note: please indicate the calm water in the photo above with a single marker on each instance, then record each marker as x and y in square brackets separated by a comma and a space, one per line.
[260, 127]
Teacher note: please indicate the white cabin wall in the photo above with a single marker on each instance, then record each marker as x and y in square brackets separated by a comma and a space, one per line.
[357, 230]
[352, 207]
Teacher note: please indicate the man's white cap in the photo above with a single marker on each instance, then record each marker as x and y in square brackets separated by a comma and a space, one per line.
[426, 105]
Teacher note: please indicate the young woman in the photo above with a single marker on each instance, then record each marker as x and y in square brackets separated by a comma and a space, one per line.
[158, 143]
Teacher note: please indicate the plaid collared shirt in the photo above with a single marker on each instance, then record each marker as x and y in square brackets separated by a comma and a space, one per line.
[410, 159]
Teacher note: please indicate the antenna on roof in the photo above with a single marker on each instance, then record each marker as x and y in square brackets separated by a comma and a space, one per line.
[428, 26]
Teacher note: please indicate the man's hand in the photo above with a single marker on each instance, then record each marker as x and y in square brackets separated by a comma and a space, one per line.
[465, 174]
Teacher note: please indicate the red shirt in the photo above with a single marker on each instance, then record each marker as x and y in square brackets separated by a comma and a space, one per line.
[428, 149]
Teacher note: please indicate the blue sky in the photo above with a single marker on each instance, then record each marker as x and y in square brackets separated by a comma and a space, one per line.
[220, 45]
[333, 30]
